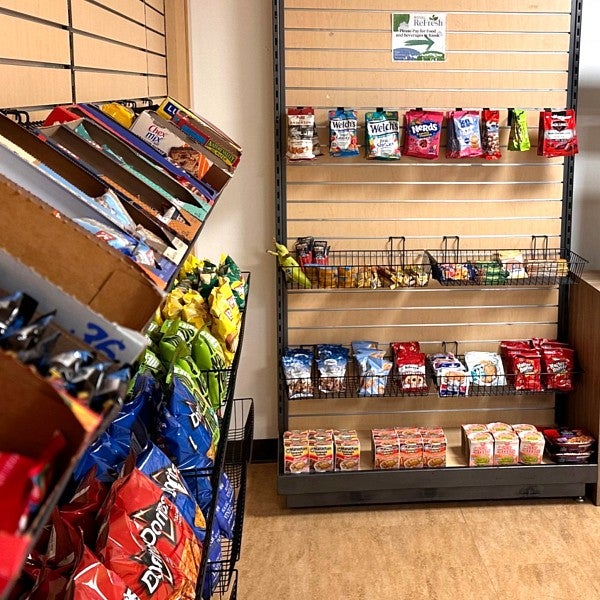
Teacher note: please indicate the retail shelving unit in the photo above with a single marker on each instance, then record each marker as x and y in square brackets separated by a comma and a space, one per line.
[332, 54]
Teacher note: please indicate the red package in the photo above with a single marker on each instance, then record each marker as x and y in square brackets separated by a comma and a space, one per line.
[558, 364]
[93, 581]
[411, 371]
[526, 366]
[24, 482]
[82, 509]
[490, 134]
[557, 133]
[422, 133]
[146, 541]
[512, 345]
[400, 348]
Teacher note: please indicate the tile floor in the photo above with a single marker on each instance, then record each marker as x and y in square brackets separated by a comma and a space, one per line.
[508, 550]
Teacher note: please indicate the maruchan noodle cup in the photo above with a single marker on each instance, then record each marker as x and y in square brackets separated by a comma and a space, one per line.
[347, 454]
[531, 448]
[506, 448]
[321, 454]
[481, 449]
[296, 454]
[386, 452]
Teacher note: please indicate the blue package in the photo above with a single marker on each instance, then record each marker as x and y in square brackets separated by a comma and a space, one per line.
[224, 513]
[186, 439]
[213, 565]
[111, 448]
[154, 463]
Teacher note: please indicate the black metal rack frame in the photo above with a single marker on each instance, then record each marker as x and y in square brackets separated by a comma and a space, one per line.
[323, 489]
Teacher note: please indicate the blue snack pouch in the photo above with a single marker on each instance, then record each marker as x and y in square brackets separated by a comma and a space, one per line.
[154, 463]
[224, 513]
[213, 565]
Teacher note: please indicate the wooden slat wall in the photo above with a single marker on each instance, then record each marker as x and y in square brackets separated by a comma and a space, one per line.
[338, 53]
[63, 51]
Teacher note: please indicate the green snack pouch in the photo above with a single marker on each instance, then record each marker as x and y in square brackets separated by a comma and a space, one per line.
[382, 135]
[518, 139]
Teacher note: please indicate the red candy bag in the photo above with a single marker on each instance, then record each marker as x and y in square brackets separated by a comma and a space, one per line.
[422, 135]
[147, 543]
[557, 133]
[558, 363]
[526, 365]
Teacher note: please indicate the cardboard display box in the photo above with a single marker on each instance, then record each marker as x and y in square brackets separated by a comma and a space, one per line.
[202, 131]
[65, 186]
[75, 260]
[177, 220]
[182, 149]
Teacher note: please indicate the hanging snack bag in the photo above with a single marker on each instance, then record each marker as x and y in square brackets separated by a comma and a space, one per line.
[297, 366]
[518, 139]
[466, 128]
[382, 135]
[316, 144]
[343, 132]
[558, 363]
[301, 125]
[422, 133]
[485, 367]
[332, 360]
[452, 145]
[557, 133]
[490, 134]
[374, 370]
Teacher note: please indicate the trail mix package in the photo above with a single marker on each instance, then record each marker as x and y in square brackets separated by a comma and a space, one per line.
[422, 134]
[343, 132]
[518, 139]
[332, 360]
[557, 133]
[382, 135]
[301, 127]
[297, 366]
[490, 134]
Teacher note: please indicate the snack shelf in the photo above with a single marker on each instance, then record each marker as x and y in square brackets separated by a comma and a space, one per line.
[456, 481]
[394, 269]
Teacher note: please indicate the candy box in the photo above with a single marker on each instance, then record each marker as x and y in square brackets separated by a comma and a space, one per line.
[531, 447]
[481, 449]
[506, 448]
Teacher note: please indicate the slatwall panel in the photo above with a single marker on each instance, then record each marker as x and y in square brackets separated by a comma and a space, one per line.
[499, 55]
[61, 51]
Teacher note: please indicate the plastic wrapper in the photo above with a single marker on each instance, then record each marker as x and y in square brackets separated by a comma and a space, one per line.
[183, 431]
[557, 133]
[124, 243]
[526, 369]
[300, 133]
[297, 367]
[332, 361]
[343, 133]
[155, 464]
[382, 135]
[224, 512]
[467, 132]
[486, 368]
[213, 563]
[558, 365]
[490, 134]
[452, 377]
[227, 318]
[27, 336]
[374, 371]
[514, 263]
[410, 366]
[518, 138]
[16, 311]
[423, 132]
[146, 541]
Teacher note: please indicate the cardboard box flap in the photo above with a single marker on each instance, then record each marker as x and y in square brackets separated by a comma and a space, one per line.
[73, 259]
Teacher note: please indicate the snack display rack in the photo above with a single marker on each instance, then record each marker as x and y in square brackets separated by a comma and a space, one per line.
[505, 273]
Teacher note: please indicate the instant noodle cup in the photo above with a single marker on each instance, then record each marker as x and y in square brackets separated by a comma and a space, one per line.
[467, 429]
[481, 449]
[434, 450]
[519, 427]
[296, 458]
[386, 451]
[531, 447]
[321, 453]
[411, 451]
[506, 448]
[347, 454]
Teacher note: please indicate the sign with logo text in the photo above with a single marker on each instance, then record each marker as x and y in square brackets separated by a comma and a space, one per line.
[418, 36]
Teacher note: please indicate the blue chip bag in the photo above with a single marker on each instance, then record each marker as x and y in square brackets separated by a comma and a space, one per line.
[154, 463]
[213, 564]
[225, 513]
[200, 487]
[186, 439]
[111, 448]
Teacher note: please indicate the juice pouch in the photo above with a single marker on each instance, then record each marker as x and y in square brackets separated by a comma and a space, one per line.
[343, 132]
[300, 127]
[382, 135]
[518, 140]
[422, 135]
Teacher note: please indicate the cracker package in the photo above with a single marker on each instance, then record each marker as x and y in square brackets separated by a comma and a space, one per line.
[382, 135]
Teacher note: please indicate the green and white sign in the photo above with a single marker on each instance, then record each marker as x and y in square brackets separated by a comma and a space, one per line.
[418, 36]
